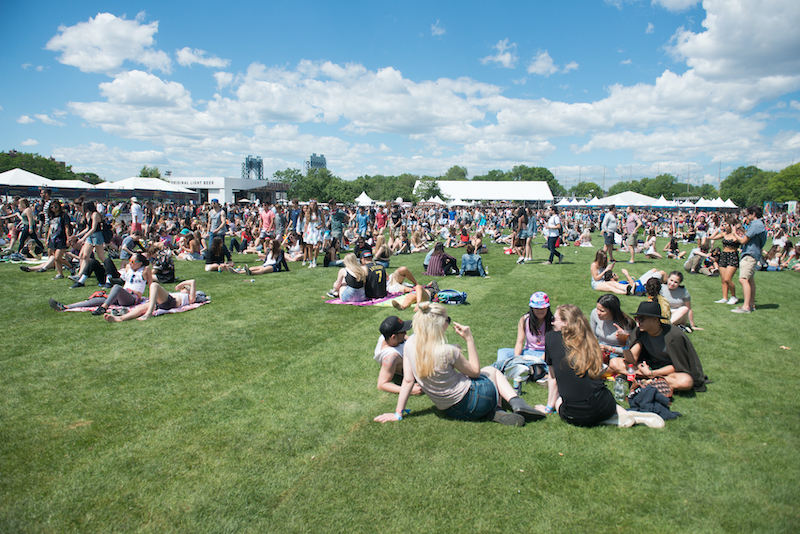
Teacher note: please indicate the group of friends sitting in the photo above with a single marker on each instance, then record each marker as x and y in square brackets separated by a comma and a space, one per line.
[570, 352]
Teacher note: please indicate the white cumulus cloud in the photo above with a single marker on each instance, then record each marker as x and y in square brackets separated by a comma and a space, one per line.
[105, 42]
[743, 40]
[676, 5]
[24, 119]
[506, 55]
[437, 29]
[543, 65]
[187, 57]
[48, 120]
[29, 142]
[650, 28]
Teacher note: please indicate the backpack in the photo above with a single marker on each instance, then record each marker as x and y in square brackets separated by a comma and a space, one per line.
[450, 296]
[164, 268]
[108, 232]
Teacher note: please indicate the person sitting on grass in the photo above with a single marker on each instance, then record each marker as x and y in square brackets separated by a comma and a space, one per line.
[274, 262]
[472, 264]
[575, 390]
[531, 330]
[349, 284]
[455, 384]
[137, 276]
[661, 350]
[218, 257]
[680, 302]
[389, 353]
[441, 263]
[185, 294]
[602, 277]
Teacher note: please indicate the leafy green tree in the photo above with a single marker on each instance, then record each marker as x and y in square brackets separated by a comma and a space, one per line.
[735, 185]
[455, 173]
[537, 174]
[621, 187]
[429, 188]
[585, 189]
[493, 176]
[785, 185]
[150, 172]
[46, 167]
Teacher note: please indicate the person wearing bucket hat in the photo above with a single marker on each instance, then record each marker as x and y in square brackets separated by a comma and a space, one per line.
[576, 390]
[389, 353]
[661, 350]
[531, 330]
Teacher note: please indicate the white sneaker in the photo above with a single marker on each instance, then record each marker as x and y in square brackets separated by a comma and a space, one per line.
[733, 300]
[304, 263]
[721, 301]
[653, 420]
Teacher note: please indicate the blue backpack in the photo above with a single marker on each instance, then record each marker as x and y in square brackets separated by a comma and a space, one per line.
[450, 296]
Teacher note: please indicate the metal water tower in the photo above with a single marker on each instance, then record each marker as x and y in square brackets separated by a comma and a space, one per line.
[253, 165]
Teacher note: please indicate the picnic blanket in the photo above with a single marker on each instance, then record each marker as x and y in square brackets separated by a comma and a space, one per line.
[385, 301]
[144, 301]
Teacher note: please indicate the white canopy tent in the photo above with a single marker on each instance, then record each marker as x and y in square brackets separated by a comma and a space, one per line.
[147, 184]
[364, 200]
[628, 198]
[564, 202]
[435, 200]
[729, 204]
[484, 190]
[20, 177]
[73, 184]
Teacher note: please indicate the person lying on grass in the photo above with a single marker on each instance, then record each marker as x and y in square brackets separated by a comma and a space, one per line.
[389, 353]
[576, 390]
[455, 384]
[661, 350]
[274, 261]
[185, 294]
[137, 276]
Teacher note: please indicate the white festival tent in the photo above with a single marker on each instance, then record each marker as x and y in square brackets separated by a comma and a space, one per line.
[730, 204]
[435, 200]
[664, 203]
[563, 203]
[628, 198]
[364, 200]
[73, 184]
[595, 202]
[147, 184]
[494, 191]
[20, 177]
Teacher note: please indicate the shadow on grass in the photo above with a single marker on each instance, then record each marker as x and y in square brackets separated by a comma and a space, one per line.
[767, 306]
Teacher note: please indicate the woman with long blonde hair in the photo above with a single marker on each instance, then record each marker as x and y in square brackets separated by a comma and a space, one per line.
[456, 384]
[349, 285]
[575, 389]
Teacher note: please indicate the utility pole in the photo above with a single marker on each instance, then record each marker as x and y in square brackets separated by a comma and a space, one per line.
[604, 179]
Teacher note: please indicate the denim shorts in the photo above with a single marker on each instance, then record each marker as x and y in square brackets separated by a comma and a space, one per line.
[96, 239]
[480, 400]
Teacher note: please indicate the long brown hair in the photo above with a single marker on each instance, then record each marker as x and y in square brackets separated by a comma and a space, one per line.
[583, 350]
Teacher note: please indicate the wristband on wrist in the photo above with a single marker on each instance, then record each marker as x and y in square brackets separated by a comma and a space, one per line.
[549, 409]
[398, 415]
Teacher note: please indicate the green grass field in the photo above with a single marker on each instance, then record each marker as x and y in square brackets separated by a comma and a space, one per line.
[254, 414]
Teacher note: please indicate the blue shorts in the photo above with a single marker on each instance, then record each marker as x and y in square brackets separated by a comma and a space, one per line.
[480, 400]
[96, 239]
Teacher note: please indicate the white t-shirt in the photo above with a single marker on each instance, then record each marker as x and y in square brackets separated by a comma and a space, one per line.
[446, 386]
[137, 215]
[554, 220]
[382, 351]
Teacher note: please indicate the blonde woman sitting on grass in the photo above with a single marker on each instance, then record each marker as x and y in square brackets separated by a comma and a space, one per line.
[185, 294]
[456, 384]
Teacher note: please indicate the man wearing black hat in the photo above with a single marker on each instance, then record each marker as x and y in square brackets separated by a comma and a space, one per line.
[389, 353]
[661, 350]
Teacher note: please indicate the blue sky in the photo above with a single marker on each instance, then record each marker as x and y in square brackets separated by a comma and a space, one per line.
[632, 87]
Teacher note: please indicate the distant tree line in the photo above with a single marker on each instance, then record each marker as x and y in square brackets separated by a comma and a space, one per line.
[46, 167]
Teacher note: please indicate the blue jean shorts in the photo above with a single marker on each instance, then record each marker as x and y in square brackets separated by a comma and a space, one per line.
[96, 239]
[480, 400]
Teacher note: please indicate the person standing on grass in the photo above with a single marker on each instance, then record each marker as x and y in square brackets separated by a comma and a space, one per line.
[553, 231]
[575, 364]
[632, 225]
[217, 222]
[753, 240]
[609, 228]
[137, 216]
[389, 353]
[658, 350]
[455, 384]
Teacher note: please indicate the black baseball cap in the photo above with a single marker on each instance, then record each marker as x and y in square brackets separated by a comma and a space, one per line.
[393, 325]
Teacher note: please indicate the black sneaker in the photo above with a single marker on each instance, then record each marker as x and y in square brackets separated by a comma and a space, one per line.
[76, 285]
[57, 306]
[508, 419]
[99, 311]
[24, 268]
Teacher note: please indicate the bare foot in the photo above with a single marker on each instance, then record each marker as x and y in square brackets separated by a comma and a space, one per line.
[146, 316]
[397, 305]
[110, 318]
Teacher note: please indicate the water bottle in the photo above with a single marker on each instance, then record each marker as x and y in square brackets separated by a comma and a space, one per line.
[619, 389]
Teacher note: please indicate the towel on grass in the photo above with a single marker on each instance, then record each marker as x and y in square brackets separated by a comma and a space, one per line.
[371, 302]
[144, 301]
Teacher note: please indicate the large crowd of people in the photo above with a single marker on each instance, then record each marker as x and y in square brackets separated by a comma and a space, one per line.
[565, 350]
